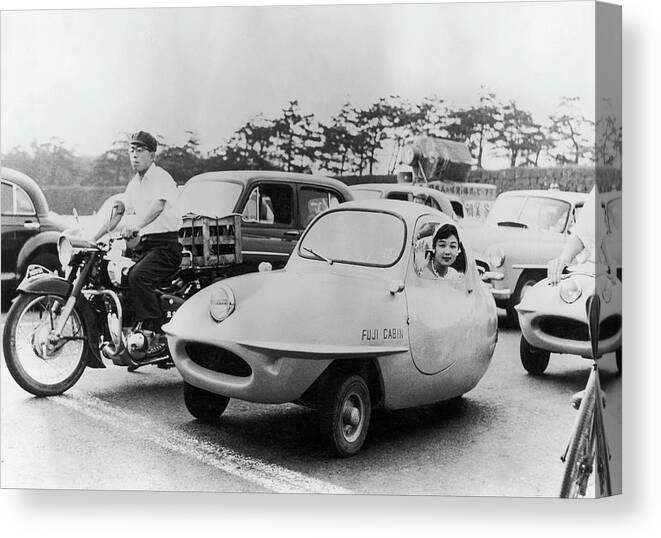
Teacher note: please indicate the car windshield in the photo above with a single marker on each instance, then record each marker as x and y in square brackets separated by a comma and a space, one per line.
[209, 198]
[531, 212]
[366, 194]
[355, 237]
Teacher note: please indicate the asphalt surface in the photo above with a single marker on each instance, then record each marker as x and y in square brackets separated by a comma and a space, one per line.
[120, 430]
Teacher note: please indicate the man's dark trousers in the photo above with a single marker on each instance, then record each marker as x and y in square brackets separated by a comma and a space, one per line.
[157, 255]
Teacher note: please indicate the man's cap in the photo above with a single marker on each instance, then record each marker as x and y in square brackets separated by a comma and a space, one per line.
[143, 138]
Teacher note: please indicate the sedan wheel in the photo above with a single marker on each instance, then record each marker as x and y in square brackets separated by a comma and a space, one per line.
[346, 414]
[534, 360]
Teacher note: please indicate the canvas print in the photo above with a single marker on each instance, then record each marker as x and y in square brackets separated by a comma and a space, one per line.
[358, 249]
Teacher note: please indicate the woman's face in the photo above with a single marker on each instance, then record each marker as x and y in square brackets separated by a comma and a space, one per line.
[446, 250]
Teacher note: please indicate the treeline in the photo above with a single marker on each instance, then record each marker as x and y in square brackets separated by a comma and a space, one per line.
[352, 143]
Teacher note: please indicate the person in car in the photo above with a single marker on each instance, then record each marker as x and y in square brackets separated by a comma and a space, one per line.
[446, 258]
[587, 235]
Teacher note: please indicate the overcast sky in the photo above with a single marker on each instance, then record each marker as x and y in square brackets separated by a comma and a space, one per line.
[89, 76]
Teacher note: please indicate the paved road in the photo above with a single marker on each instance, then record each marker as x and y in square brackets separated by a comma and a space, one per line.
[120, 430]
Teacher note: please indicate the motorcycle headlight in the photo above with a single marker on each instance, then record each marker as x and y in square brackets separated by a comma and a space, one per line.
[221, 303]
[570, 290]
[496, 257]
[64, 251]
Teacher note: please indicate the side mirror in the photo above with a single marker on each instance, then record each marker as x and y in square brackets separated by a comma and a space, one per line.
[265, 267]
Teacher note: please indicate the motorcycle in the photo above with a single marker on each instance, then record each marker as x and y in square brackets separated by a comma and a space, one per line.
[58, 326]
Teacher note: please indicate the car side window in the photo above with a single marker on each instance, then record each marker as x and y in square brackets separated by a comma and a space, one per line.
[7, 199]
[312, 201]
[423, 252]
[270, 203]
[24, 205]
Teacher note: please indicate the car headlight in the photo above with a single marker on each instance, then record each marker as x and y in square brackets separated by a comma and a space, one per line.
[496, 257]
[570, 290]
[64, 251]
[221, 303]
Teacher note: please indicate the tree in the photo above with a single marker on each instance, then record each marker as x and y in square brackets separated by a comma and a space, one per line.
[182, 162]
[512, 130]
[112, 167]
[48, 163]
[335, 154]
[475, 126]
[297, 139]
[568, 131]
[608, 147]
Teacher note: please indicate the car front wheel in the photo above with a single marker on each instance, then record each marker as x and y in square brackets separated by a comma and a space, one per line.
[534, 360]
[202, 404]
[346, 414]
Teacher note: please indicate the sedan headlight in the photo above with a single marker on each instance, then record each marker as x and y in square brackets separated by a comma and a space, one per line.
[570, 290]
[64, 251]
[221, 303]
[496, 257]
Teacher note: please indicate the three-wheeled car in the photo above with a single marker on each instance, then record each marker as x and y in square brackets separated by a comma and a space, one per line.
[351, 323]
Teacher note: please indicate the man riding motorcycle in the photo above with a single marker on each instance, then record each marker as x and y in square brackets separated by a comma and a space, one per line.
[150, 195]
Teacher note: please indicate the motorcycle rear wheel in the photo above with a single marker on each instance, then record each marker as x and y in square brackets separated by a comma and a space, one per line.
[40, 370]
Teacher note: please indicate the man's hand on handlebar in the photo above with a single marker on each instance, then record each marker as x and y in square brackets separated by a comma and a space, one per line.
[555, 268]
[130, 231]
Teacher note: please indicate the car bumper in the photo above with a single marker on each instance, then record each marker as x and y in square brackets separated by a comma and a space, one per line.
[265, 378]
[536, 336]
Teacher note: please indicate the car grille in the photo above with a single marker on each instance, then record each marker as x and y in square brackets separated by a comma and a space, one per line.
[576, 330]
[217, 359]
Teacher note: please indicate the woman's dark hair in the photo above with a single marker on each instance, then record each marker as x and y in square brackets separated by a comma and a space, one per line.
[444, 232]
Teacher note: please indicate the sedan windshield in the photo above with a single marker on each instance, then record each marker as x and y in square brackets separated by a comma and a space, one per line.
[355, 237]
[531, 212]
[209, 198]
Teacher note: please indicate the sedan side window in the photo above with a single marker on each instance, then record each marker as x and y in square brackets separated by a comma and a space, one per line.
[7, 199]
[269, 204]
[312, 201]
[24, 204]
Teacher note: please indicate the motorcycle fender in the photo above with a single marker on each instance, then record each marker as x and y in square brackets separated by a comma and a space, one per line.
[49, 283]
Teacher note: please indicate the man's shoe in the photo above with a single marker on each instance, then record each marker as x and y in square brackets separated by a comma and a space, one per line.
[158, 347]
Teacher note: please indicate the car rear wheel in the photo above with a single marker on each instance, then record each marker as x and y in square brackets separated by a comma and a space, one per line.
[346, 414]
[534, 360]
[204, 405]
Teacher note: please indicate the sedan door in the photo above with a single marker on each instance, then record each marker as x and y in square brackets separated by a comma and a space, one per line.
[268, 227]
[19, 223]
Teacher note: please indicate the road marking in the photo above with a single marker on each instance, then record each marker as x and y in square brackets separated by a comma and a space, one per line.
[268, 475]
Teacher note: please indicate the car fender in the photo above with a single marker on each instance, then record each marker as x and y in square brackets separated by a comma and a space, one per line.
[50, 283]
[32, 245]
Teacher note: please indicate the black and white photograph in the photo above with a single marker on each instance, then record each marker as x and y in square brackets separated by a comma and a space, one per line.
[313, 249]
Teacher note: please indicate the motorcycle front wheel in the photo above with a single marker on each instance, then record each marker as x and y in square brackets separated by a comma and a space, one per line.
[41, 362]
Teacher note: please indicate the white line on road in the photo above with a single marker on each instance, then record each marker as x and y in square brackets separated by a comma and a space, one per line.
[268, 475]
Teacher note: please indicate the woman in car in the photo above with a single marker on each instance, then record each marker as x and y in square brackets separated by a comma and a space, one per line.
[446, 258]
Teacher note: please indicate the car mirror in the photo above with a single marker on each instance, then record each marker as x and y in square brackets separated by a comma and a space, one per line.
[265, 267]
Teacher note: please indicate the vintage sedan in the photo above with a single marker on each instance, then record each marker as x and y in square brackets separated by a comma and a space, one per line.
[554, 319]
[275, 208]
[351, 323]
[448, 204]
[523, 231]
[29, 229]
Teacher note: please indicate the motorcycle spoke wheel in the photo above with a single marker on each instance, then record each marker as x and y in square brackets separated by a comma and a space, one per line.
[41, 364]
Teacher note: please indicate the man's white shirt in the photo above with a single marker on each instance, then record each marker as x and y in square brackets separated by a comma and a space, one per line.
[141, 193]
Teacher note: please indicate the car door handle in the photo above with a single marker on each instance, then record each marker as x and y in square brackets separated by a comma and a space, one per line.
[29, 225]
[293, 234]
